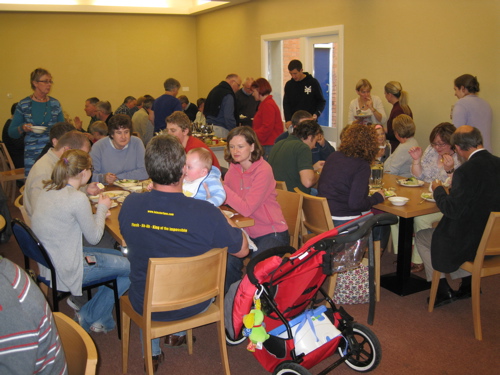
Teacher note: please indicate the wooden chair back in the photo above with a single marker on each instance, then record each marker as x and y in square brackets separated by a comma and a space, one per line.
[79, 348]
[19, 204]
[291, 206]
[168, 288]
[316, 215]
[281, 185]
[8, 173]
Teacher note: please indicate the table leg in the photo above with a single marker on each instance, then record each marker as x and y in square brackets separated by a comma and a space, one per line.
[403, 282]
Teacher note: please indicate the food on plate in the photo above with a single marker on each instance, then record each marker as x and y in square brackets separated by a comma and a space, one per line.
[126, 181]
[411, 182]
[427, 196]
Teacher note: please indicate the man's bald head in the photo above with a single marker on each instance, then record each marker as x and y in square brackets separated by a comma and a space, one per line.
[466, 139]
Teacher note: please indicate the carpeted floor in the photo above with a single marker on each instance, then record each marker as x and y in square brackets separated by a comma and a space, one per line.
[413, 340]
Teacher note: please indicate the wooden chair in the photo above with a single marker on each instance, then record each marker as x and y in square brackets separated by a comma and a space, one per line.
[291, 206]
[9, 174]
[281, 185]
[32, 248]
[480, 267]
[318, 219]
[167, 289]
[19, 204]
[79, 348]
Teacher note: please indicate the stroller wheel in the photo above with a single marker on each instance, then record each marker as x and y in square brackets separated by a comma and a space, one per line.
[236, 341]
[290, 368]
[366, 349]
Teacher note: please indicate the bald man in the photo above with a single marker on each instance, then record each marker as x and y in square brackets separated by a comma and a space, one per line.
[466, 208]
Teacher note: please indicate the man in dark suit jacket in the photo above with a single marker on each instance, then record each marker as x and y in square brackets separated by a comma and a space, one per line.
[475, 192]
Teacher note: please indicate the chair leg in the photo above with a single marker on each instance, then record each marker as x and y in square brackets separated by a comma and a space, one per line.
[148, 352]
[376, 251]
[190, 341]
[476, 306]
[117, 308]
[436, 275]
[222, 346]
[125, 340]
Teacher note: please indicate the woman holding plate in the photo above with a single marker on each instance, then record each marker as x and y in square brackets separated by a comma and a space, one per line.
[38, 109]
[366, 105]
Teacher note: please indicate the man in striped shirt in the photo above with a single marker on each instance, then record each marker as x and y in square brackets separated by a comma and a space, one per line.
[29, 342]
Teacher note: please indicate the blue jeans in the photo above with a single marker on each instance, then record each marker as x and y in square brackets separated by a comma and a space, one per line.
[155, 343]
[99, 309]
[268, 241]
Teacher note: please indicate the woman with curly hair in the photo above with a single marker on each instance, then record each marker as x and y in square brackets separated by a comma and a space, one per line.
[344, 179]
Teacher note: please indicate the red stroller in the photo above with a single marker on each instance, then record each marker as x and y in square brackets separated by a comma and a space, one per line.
[300, 331]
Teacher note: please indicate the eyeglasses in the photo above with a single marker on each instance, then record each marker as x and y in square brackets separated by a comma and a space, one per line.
[47, 81]
[439, 144]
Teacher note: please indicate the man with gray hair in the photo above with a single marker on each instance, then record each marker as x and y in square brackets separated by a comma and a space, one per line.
[90, 110]
[466, 208]
[141, 122]
[127, 107]
[246, 105]
[189, 227]
[166, 104]
[220, 106]
[104, 111]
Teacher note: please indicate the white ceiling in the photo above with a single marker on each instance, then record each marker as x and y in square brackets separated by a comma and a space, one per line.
[181, 7]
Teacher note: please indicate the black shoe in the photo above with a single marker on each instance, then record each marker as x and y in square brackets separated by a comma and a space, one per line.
[444, 298]
[464, 292]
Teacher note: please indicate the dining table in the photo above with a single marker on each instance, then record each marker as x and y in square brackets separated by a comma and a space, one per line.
[403, 282]
[113, 226]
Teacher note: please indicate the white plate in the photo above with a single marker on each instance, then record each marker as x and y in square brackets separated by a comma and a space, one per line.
[423, 196]
[229, 214]
[404, 182]
[120, 199]
[38, 129]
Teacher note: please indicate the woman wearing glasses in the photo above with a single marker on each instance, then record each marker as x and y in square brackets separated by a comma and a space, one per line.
[437, 162]
[38, 109]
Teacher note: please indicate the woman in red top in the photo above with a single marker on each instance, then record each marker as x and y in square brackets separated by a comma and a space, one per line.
[267, 122]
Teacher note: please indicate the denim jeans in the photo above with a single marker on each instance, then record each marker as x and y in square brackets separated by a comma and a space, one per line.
[268, 241]
[99, 309]
[155, 343]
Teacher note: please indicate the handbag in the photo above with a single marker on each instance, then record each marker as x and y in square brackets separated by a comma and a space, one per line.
[352, 286]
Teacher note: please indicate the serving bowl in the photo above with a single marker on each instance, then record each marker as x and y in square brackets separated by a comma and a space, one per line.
[398, 201]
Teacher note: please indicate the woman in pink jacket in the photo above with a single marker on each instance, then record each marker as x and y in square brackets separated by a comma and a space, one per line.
[267, 122]
[251, 190]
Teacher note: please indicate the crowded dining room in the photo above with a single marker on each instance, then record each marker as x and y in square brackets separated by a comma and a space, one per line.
[321, 179]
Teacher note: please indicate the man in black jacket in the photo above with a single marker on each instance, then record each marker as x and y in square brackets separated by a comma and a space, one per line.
[475, 192]
[302, 92]
[220, 106]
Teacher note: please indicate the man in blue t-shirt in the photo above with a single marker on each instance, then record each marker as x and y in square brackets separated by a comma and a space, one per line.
[166, 223]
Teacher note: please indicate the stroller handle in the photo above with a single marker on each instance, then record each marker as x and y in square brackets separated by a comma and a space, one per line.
[275, 251]
[355, 232]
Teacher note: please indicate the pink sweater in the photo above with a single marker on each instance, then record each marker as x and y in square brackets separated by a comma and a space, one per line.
[252, 193]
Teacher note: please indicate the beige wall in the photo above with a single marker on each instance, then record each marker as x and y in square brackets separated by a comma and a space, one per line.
[423, 44]
[108, 56]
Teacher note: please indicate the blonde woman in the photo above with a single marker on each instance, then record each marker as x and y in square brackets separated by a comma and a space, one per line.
[395, 95]
[367, 104]
[62, 215]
